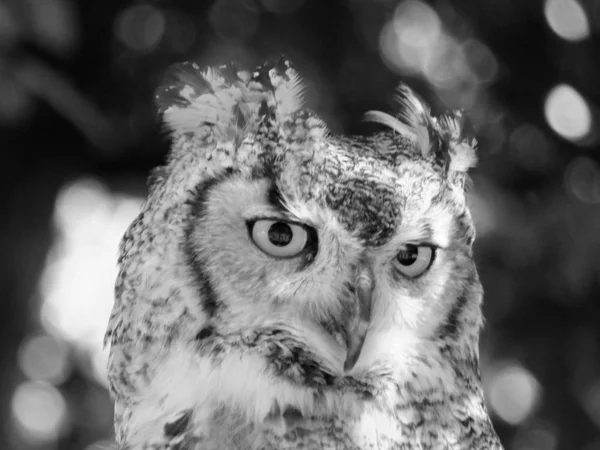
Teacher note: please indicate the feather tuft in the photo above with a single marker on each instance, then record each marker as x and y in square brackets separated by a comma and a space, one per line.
[228, 100]
[414, 113]
[445, 137]
[412, 110]
[453, 127]
[391, 122]
[412, 120]
[289, 92]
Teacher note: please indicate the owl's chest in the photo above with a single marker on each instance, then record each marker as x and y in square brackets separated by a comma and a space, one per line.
[371, 430]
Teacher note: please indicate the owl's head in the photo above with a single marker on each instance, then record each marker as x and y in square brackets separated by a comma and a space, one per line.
[352, 254]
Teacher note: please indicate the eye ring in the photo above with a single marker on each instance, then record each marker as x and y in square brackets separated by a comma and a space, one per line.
[279, 238]
[414, 260]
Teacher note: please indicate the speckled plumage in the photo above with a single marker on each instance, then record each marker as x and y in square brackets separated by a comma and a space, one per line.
[215, 344]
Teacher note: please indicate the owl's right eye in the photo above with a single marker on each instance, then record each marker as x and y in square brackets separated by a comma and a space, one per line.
[279, 238]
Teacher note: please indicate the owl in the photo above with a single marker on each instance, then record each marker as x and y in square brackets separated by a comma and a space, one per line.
[287, 288]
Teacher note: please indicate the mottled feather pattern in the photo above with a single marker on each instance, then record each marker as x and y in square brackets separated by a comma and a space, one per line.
[217, 345]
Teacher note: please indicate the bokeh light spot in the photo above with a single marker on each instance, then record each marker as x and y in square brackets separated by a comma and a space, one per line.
[44, 358]
[234, 20]
[513, 393]
[567, 19]
[78, 279]
[536, 436]
[483, 208]
[9, 27]
[282, 6]
[530, 148]
[54, 24]
[591, 402]
[582, 180]
[180, 32]
[448, 67]
[414, 42]
[568, 113]
[39, 410]
[409, 41]
[481, 60]
[16, 102]
[140, 27]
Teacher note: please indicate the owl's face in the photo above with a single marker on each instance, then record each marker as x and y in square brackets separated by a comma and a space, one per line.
[283, 246]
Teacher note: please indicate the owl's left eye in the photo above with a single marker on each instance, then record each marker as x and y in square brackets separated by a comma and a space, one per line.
[279, 238]
[414, 260]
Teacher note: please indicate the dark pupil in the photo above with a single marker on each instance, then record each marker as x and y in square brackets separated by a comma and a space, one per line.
[280, 234]
[408, 256]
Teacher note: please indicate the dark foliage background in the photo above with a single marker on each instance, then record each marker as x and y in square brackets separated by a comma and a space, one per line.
[78, 135]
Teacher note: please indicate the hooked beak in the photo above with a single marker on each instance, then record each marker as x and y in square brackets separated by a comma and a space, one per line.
[358, 323]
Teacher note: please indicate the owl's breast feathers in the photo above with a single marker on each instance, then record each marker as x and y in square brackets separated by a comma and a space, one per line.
[209, 351]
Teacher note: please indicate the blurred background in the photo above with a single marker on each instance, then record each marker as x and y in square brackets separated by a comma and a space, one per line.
[78, 135]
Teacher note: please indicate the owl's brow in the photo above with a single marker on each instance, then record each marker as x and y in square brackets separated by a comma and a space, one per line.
[275, 199]
[423, 233]
[426, 231]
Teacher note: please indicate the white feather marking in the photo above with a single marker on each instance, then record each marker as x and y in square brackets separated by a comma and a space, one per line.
[214, 77]
[244, 75]
[462, 157]
[289, 93]
[214, 109]
[463, 154]
[242, 381]
[402, 351]
[188, 93]
[423, 140]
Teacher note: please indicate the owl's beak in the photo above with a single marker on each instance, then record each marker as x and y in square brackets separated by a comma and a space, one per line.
[358, 323]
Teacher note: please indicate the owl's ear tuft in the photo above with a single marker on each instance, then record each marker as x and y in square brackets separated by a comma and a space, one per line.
[411, 121]
[415, 113]
[444, 138]
[192, 99]
[228, 100]
[280, 77]
[454, 131]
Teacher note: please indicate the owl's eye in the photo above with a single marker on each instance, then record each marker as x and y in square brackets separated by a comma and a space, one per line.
[413, 260]
[278, 238]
